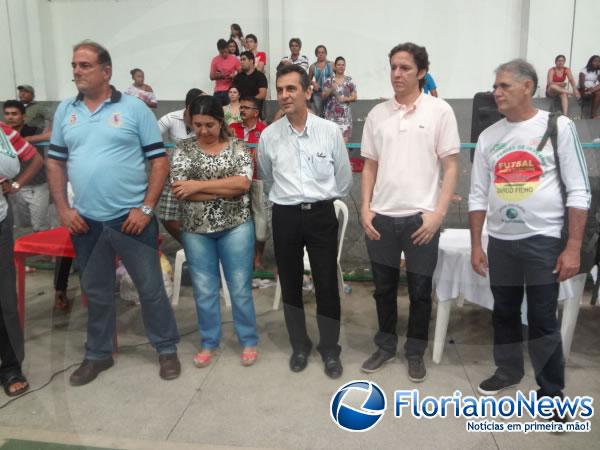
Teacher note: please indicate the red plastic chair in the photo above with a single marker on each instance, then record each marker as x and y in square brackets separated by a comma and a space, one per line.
[54, 242]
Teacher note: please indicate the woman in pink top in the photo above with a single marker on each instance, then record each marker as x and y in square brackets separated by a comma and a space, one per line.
[557, 86]
[141, 90]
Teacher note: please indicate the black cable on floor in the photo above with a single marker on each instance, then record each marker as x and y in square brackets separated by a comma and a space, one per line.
[124, 347]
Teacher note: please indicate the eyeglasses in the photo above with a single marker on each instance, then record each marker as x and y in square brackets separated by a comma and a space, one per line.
[248, 107]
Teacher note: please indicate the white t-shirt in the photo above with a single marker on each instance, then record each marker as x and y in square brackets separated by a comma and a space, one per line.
[519, 187]
[9, 167]
[591, 78]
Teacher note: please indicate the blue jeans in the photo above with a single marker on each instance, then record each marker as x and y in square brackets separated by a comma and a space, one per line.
[235, 249]
[96, 251]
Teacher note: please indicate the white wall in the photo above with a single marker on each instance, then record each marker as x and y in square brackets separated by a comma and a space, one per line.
[174, 40]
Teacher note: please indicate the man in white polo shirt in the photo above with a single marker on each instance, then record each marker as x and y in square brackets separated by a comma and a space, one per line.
[406, 141]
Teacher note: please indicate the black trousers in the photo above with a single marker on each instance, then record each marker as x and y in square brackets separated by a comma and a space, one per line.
[317, 230]
[385, 265]
[11, 335]
[61, 273]
[519, 266]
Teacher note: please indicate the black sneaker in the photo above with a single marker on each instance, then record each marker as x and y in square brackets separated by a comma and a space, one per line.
[376, 361]
[495, 384]
[416, 369]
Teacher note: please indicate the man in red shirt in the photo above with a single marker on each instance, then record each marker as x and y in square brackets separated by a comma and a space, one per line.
[11, 336]
[249, 130]
[223, 68]
[27, 154]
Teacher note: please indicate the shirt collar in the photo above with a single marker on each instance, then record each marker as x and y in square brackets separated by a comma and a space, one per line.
[398, 106]
[115, 96]
[307, 126]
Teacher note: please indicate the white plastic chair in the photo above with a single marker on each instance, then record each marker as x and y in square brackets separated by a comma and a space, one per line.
[340, 210]
[179, 260]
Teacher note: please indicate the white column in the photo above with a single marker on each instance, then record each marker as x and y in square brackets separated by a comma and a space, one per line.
[275, 38]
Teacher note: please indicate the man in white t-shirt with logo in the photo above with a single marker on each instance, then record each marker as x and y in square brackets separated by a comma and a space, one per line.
[518, 188]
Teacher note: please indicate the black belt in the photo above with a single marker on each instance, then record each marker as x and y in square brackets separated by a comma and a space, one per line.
[308, 206]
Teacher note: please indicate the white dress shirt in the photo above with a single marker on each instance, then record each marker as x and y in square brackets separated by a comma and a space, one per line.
[304, 167]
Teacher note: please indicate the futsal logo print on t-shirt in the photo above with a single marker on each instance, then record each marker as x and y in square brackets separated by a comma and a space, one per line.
[517, 175]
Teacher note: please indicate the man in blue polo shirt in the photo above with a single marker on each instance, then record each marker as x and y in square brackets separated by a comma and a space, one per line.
[100, 142]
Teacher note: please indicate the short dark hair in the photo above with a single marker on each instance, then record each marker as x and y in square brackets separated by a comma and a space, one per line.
[248, 54]
[419, 55]
[318, 47]
[134, 71]
[296, 40]
[221, 44]
[294, 68]
[560, 56]
[14, 104]
[521, 70]
[252, 36]
[249, 98]
[339, 58]
[192, 94]
[208, 105]
[104, 58]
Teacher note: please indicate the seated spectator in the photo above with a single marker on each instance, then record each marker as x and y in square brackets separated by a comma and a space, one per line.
[318, 72]
[141, 90]
[223, 68]
[250, 82]
[174, 127]
[36, 114]
[556, 84]
[232, 110]
[589, 83]
[28, 191]
[211, 175]
[295, 56]
[340, 91]
[238, 37]
[429, 87]
[232, 48]
[260, 58]
[249, 130]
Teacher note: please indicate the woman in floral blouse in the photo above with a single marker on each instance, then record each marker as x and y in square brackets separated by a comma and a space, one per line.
[211, 175]
[340, 91]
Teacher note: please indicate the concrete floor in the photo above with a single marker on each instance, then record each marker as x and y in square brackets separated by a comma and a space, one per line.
[264, 406]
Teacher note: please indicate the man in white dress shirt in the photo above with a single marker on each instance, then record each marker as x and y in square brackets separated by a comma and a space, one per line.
[304, 164]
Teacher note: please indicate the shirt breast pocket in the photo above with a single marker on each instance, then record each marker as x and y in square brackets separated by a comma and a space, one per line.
[322, 167]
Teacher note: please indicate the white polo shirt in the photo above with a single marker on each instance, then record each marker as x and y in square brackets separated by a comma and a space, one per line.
[408, 144]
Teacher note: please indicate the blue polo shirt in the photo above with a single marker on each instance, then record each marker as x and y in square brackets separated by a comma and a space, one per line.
[429, 84]
[105, 152]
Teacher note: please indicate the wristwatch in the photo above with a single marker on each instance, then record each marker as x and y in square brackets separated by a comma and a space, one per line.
[146, 210]
[16, 186]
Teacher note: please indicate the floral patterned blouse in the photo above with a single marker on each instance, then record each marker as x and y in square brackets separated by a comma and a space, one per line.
[231, 117]
[189, 162]
[335, 111]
